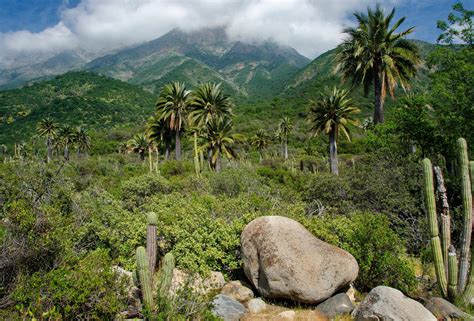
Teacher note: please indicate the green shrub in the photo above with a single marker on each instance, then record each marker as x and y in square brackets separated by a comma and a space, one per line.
[79, 289]
[172, 168]
[233, 181]
[136, 190]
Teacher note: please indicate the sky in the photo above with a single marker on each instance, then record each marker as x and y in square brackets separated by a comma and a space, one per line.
[28, 27]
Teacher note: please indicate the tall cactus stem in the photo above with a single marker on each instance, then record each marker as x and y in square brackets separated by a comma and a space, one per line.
[439, 266]
[430, 197]
[453, 273]
[166, 274]
[144, 278]
[467, 215]
[151, 241]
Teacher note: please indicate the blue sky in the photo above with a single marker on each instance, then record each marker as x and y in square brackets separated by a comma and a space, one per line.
[311, 26]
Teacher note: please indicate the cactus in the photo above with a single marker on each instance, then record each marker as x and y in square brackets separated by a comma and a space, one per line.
[166, 274]
[144, 278]
[445, 259]
[151, 241]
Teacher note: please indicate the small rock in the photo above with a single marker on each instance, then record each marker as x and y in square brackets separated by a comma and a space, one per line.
[388, 304]
[256, 305]
[286, 315]
[444, 310]
[351, 294]
[284, 260]
[227, 308]
[215, 281]
[237, 291]
[336, 305]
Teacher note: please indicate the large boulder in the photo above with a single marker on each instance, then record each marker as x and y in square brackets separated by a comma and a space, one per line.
[227, 308]
[236, 290]
[387, 304]
[282, 259]
[446, 311]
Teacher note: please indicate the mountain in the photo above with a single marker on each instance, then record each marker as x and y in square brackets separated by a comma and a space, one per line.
[74, 98]
[206, 55]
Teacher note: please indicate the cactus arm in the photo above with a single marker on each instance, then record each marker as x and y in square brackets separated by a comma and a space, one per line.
[151, 241]
[433, 222]
[166, 274]
[144, 277]
[453, 273]
[467, 215]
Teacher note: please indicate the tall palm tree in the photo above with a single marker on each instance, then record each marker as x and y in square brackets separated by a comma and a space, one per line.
[284, 129]
[375, 55]
[66, 138]
[138, 144]
[209, 101]
[220, 140]
[159, 134]
[331, 113]
[173, 108]
[48, 128]
[260, 141]
[82, 140]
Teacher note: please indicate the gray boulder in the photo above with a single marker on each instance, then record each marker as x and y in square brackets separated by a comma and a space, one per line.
[283, 259]
[227, 308]
[336, 305]
[256, 305]
[446, 311]
[387, 304]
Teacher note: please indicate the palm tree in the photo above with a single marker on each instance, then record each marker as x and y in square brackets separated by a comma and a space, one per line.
[159, 134]
[173, 107]
[375, 55]
[284, 129]
[138, 144]
[260, 141]
[82, 140]
[331, 113]
[220, 141]
[209, 101]
[49, 129]
[66, 138]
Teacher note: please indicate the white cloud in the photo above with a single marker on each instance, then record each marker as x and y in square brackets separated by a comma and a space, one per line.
[310, 26]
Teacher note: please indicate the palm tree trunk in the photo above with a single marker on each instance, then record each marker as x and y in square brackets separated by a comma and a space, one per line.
[157, 158]
[333, 152]
[49, 151]
[150, 160]
[218, 163]
[178, 146]
[286, 148]
[66, 152]
[378, 112]
[167, 151]
[260, 153]
[142, 155]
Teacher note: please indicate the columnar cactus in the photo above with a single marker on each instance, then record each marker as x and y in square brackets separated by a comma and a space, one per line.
[151, 241]
[144, 278]
[446, 263]
[166, 274]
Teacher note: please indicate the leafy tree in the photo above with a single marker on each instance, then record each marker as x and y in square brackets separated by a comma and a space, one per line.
[260, 141]
[284, 129]
[173, 108]
[459, 26]
[332, 113]
[375, 55]
[220, 141]
[82, 140]
[49, 129]
[138, 144]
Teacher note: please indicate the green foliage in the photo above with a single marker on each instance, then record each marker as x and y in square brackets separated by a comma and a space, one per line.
[458, 27]
[79, 288]
[136, 190]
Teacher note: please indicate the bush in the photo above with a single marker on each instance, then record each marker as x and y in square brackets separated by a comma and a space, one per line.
[376, 247]
[136, 190]
[79, 289]
[172, 168]
[233, 181]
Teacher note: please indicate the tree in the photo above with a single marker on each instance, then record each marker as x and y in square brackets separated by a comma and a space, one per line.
[459, 26]
[138, 144]
[260, 141]
[173, 107]
[284, 129]
[375, 55]
[48, 128]
[208, 102]
[331, 113]
[159, 134]
[220, 140]
[82, 140]
[66, 138]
